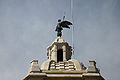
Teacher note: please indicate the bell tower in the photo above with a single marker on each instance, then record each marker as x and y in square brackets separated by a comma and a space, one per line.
[59, 65]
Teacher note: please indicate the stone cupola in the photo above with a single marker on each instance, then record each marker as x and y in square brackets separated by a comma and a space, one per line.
[59, 50]
[59, 57]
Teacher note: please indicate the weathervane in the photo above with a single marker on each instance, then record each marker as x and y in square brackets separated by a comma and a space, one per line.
[61, 25]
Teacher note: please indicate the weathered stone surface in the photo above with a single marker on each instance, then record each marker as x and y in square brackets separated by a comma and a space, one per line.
[63, 69]
[92, 67]
[34, 68]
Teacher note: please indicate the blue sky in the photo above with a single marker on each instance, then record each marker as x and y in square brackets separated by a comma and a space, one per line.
[27, 28]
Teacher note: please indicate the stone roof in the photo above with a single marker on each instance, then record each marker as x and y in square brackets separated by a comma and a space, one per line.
[70, 65]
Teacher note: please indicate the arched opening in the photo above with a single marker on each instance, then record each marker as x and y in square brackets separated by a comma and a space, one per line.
[59, 55]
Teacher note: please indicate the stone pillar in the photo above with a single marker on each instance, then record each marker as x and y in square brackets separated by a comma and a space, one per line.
[64, 53]
[49, 54]
[54, 53]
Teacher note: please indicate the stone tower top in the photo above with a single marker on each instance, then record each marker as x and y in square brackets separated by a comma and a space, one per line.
[60, 66]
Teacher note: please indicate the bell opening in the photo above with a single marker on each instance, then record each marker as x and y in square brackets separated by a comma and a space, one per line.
[59, 55]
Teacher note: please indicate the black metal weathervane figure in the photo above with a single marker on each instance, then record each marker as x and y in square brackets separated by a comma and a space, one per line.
[61, 25]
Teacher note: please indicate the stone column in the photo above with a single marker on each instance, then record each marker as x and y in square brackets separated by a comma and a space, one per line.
[64, 53]
[49, 54]
[54, 53]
